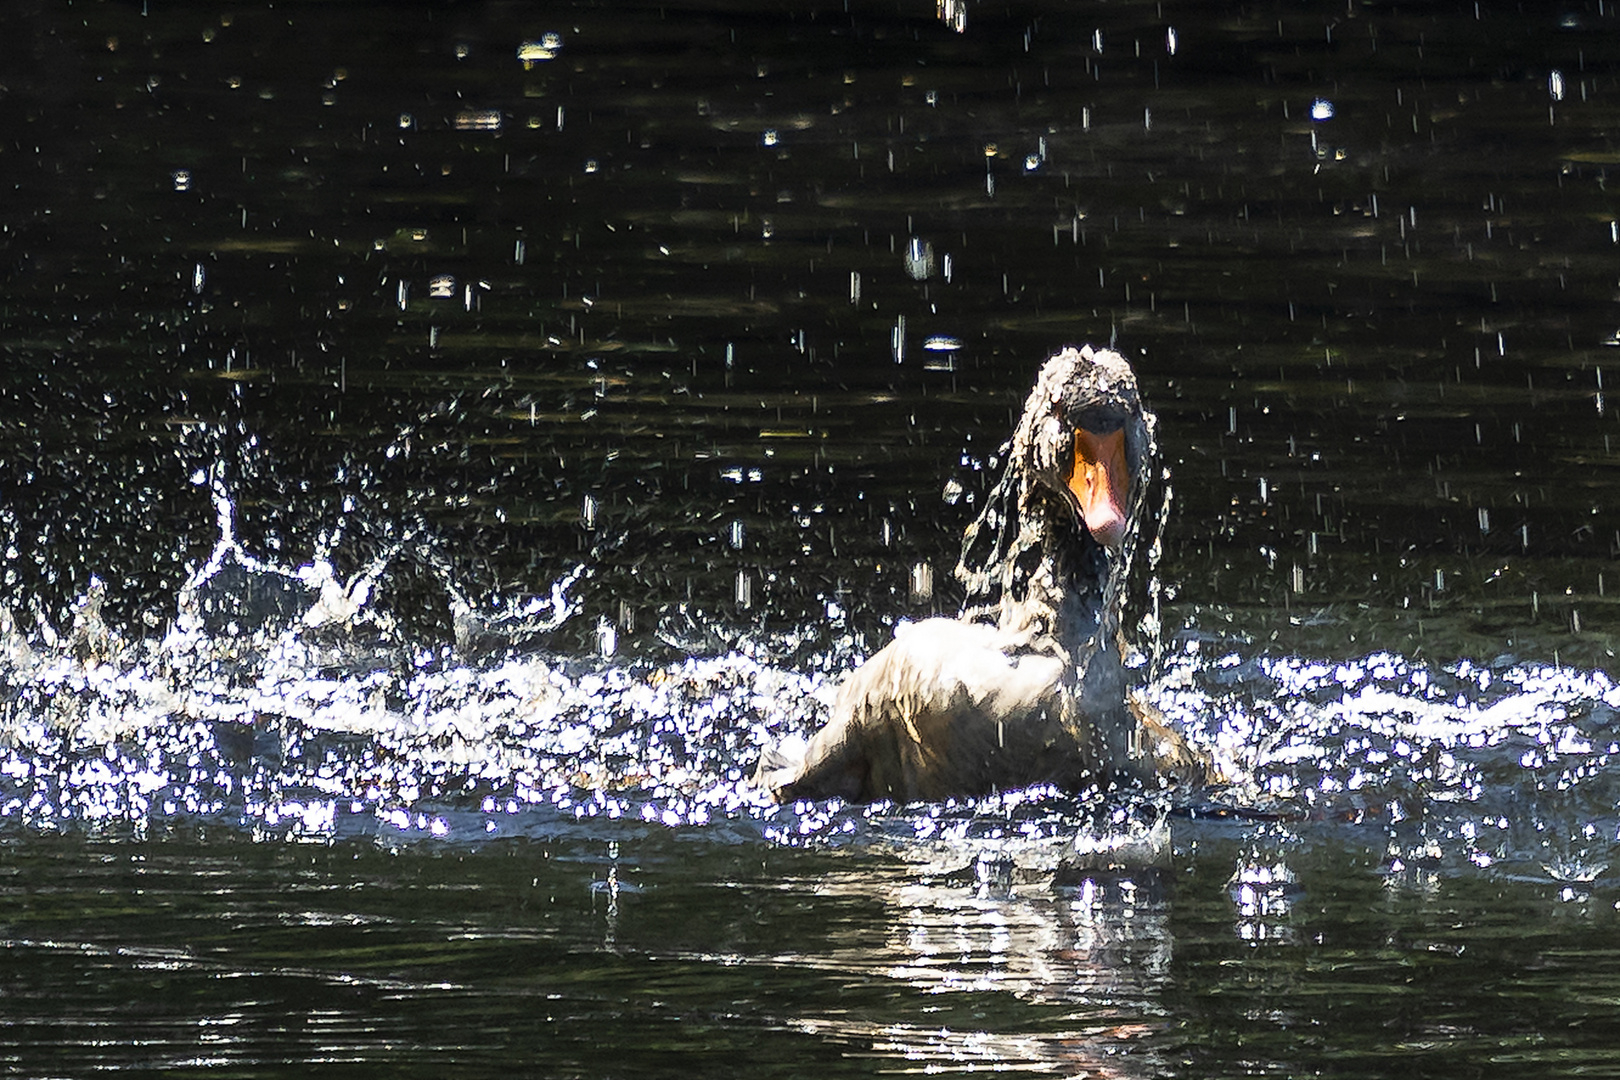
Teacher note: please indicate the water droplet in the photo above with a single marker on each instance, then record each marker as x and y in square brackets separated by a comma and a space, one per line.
[533, 52]
[1321, 109]
[478, 120]
[922, 582]
[919, 259]
[182, 179]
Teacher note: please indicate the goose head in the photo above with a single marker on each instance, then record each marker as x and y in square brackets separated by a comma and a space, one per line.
[1084, 437]
[1057, 530]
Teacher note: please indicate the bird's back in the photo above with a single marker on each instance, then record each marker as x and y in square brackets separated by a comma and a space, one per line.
[944, 710]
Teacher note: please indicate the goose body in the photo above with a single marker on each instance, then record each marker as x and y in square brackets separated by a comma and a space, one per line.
[1027, 686]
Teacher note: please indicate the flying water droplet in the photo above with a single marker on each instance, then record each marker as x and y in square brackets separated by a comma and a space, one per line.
[478, 120]
[540, 50]
[922, 582]
[919, 259]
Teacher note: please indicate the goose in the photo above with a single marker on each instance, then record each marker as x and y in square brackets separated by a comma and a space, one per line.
[1028, 685]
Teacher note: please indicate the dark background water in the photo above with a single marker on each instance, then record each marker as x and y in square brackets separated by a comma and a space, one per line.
[646, 314]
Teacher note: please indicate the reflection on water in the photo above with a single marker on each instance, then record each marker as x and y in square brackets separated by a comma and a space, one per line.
[1261, 893]
[1101, 950]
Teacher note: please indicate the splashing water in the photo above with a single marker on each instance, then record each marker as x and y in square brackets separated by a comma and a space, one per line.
[277, 701]
[1505, 766]
[283, 703]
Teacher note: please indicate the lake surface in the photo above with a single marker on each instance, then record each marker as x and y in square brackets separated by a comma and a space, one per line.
[441, 446]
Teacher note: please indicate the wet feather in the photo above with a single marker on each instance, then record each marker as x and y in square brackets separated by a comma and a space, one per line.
[1028, 685]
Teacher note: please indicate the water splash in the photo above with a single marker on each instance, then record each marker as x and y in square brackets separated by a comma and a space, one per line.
[286, 702]
[1507, 766]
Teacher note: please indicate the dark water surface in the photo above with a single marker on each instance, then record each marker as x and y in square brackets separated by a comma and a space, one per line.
[441, 445]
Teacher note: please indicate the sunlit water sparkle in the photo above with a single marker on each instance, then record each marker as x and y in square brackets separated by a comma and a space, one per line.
[304, 717]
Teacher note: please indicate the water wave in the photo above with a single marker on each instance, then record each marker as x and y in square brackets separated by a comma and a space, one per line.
[280, 702]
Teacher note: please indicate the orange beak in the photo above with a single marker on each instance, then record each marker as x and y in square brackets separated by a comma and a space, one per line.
[1100, 483]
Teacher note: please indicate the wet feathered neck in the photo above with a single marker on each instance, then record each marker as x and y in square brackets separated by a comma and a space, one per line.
[1029, 565]
[1032, 571]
